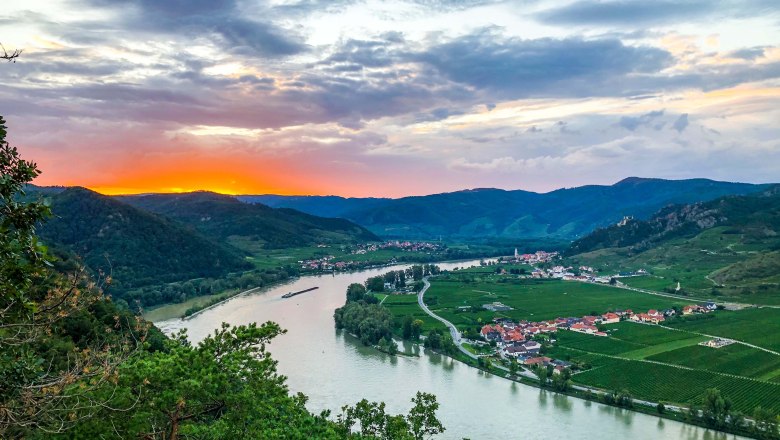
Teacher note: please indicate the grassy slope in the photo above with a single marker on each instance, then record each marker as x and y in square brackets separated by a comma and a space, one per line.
[700, 264]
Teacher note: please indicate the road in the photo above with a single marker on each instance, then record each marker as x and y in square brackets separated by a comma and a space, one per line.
[456, 338]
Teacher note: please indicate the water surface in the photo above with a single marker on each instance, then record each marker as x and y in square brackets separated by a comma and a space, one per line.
[334, 369]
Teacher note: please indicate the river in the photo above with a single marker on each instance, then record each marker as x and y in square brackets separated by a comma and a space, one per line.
[334, 369]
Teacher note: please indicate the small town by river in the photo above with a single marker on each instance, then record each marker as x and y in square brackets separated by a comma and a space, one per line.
[334, 369]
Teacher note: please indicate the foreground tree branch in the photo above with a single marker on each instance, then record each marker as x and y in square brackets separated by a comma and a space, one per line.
[10, 56]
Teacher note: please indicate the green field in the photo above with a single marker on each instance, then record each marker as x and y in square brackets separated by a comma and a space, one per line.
[714, 264]
[615, 360]
[629, 340]
[533, 299]
[170, 311]
[732, 359]
[758, 326]
[671, 384]
[406, 305]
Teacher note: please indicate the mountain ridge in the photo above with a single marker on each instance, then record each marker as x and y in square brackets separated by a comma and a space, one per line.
[483, 212]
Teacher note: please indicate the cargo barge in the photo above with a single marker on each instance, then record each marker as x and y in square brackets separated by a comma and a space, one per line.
[292, 294]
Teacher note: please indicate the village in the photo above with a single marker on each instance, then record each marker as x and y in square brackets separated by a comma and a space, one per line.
[329, 263]
[523, 341]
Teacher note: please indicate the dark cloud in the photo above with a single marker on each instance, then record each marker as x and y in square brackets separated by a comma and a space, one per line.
[382, 51]
[748, 53]
[631, 13]
[437, 114]
[238, 31]
[681, 123]
[256, 38]
[543, 67]
[631, 123]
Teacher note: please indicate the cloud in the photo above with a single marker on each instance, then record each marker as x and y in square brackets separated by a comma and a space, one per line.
[658, 12]
[546, 67]
[681, 123]
[631, 123]
[223, 18]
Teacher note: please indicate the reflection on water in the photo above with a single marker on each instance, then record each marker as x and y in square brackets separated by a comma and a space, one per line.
[334, 369]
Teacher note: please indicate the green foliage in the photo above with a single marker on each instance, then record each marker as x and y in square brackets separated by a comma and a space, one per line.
[22, 257]
[561, 381]
[440, 341]
[371, 420]
[376, 284]
[369, 322]
[134, 247]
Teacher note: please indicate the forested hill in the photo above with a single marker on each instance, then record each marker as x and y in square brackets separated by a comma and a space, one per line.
[564, 213]
[219, 217]
[135, 246]
[755, 217]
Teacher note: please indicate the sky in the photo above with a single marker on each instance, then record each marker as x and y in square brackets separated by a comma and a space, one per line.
[379, 98]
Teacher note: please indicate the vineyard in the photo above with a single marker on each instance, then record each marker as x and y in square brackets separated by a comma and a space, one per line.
[666, 383]
[733, 359]
[594, 344]
[534, 299]
[759, 326]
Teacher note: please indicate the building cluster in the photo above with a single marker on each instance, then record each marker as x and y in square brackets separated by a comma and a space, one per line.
[327, 264]
[534, 258]
[405, 246]
[515, 339]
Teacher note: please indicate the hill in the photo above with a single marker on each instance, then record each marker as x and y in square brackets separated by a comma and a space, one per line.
[222, 217]
[564, 213]
[136, 247]
[724, 247]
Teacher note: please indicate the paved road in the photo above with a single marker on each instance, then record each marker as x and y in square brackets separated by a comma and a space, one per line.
[456, 338]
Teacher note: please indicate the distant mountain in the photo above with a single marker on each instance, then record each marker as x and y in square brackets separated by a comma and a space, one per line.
[134, 246]
[564, 213]
[221, 217]
[754, 217]
[727, 248]
[323, 206]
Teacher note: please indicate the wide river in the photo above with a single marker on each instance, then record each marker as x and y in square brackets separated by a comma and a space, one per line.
[334, 369]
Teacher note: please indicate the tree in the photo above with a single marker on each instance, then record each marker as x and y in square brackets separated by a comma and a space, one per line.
[417, 326]
[513, 367]
[562, 380]
[417, 273]
[541, 372]
[50, 367]
[422, 417]
[376, 284]
[406, 329]
[716, 410]
[421, 421]
[765, 423]
[355, 292]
